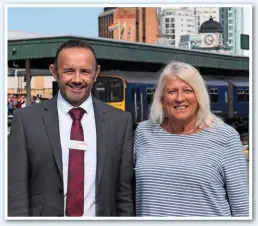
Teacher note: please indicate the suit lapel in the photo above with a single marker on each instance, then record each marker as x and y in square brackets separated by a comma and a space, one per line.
[101, 131]
[50, 118]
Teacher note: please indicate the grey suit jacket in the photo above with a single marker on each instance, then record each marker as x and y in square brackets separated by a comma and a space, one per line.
[35, 178]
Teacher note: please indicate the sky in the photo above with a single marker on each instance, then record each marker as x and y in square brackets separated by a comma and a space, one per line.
[54, 21]
[81, 21]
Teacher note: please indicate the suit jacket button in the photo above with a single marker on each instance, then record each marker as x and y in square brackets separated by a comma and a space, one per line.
[61, 190]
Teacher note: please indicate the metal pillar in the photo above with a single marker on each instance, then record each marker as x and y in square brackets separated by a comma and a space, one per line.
[28, 85]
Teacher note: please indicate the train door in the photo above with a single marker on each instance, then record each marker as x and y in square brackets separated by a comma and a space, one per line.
[150, 90]
[240, 97]
[138, 107]
[219, 99]
[218, 92]
[241, 100]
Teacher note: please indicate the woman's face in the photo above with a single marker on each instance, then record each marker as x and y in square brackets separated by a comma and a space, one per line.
[179, 100]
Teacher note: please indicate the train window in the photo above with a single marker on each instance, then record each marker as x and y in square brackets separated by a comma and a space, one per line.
[241, 95]
[247, 95]
[99, 91]
[116, 90]
[214, 95]
[108, 89]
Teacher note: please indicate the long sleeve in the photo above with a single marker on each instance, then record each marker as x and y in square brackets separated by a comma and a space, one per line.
[125, 204]
[18, 204]
[235, 175]
[135, 145]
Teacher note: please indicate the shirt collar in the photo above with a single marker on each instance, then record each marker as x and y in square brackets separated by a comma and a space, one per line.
[65, 107]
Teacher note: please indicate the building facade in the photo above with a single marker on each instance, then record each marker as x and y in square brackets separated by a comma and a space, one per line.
[41, 82]
[247, 26]
[235, 28]
[41, 85]
[177, 22]
[189, 41]
[105, 20]
[135, 24]
[224, 24]
[203, 14]
[209, 38]
[235, 21]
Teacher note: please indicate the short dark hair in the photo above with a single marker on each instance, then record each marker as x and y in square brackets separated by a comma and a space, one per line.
[74, 43]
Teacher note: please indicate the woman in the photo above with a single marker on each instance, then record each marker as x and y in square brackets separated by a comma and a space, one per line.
[188, 162]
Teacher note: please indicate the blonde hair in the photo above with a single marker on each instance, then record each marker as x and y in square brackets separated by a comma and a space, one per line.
[192, 77]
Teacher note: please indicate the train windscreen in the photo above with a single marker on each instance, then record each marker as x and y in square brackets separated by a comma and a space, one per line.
[108, 89]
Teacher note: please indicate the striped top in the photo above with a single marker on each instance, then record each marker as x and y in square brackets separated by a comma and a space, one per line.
[202, 174]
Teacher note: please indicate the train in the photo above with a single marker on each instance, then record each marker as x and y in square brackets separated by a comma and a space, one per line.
[133, 92]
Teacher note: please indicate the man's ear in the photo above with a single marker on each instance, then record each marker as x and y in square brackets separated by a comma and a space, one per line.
[53, 70]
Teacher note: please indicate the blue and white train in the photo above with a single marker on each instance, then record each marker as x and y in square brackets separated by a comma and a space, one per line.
[133, 92]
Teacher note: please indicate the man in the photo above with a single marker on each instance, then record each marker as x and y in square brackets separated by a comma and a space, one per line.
[71, 155]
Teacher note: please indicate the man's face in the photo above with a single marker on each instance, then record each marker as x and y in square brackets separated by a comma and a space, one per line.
[76, 72]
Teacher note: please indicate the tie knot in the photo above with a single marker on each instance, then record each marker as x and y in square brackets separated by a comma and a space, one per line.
[76, 113]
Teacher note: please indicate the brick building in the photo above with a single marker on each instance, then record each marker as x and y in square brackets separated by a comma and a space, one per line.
[135, 24]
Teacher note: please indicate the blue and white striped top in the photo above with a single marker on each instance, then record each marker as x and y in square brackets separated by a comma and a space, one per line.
[202, 174]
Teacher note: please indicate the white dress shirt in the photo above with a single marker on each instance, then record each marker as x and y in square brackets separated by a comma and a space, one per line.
[90, 156]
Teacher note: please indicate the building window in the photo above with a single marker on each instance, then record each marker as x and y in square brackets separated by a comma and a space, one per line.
[167, 20]
[230, 34]
[167, 25]
[230, 21]
[230, 14]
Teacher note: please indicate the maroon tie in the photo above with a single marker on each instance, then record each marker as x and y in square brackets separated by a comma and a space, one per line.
[75, 188]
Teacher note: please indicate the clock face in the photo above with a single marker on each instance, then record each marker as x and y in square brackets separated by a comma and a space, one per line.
[208, 39]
